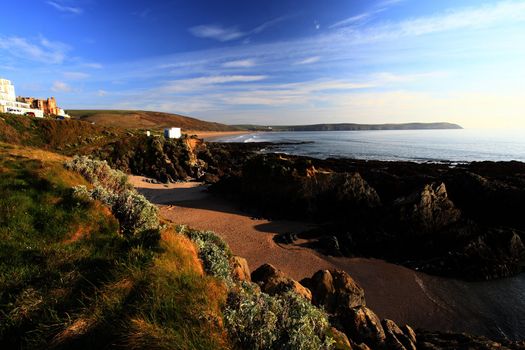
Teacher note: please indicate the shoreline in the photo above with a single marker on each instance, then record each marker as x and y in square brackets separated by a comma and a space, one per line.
[392, 291]
[214, 135]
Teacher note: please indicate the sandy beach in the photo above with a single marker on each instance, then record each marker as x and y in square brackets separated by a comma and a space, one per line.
[212, 135]
[392, 291]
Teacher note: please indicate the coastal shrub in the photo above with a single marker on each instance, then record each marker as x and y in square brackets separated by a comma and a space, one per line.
[133, 211]
[213, 252]
[256, 320]
[99, 172]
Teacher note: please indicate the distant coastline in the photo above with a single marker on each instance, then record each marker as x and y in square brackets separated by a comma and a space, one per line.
[352, 127]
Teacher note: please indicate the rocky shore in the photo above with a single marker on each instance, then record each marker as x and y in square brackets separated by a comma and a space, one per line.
[460, 220]
[339, 193]
[453, 220]
[354, 325]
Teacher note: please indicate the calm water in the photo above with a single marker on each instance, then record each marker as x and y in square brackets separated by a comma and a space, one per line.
[414, 145]
[494, 308]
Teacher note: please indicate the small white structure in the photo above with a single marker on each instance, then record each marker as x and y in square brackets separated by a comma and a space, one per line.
[172, 133]
[9, 104]
[62, 113]
[148, 133]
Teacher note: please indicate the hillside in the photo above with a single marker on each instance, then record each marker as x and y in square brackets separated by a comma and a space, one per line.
[353, 126]
[76, 274]
[146, 120]
[65, 136]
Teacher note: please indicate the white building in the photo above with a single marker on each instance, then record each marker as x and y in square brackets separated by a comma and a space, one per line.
[8, 103]
[172, 133]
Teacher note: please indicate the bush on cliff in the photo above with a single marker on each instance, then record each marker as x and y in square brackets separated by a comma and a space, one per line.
[213, 252]
[256, 320]
[288, 321]
[134, 212]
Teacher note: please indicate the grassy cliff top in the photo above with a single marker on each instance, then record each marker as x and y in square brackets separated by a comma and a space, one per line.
[146, 120]
[68, 279]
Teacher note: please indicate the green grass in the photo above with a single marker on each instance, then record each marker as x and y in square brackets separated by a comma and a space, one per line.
[69, 280]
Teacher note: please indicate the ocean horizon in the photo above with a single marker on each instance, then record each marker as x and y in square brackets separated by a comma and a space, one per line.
[441, 146]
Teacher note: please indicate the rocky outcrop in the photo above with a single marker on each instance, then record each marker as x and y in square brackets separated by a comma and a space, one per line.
[355, 326]
[274, 281]
[334, 290]
[427, 211]
[363, 326]
[462, 221]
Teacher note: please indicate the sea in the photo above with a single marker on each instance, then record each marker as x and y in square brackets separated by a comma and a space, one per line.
[455, 145]
[493, 308]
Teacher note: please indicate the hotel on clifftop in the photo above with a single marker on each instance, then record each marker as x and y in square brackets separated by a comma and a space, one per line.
[10, 103]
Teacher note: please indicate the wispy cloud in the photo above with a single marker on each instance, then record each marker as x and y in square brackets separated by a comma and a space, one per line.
[64, 8]
[60, 86]
[217, 32]
[357, 19]
[41, 50]
[365, 17]
[196, 84]
[239, 64]
[464, 18]
[93, 65]
[75, 75]
[309, 60]
[223, 34]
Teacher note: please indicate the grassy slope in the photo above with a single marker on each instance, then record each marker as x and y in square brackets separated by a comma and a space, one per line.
[146, 120]
[69, 280]
[67, 136]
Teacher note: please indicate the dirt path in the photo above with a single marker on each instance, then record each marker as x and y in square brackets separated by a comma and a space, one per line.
[392, 291]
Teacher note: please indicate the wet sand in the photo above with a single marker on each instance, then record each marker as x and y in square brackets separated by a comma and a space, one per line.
[392, 291]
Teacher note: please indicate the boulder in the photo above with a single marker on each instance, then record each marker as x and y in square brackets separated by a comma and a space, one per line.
[341, 340]
[353, 188]
[240, 269]
[335, 290]
[362, 325]
[428, 211]
[396, 338]
[274, 281]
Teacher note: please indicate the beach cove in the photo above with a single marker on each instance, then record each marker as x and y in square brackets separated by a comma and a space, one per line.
[493, 308]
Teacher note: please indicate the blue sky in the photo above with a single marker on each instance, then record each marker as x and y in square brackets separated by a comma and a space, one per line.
[274, 62]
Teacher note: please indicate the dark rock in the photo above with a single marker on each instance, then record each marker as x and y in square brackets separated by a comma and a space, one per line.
[285, 238]
[427, 211]
[396, 338]
[362, 325]
[274, 281]
[329, 245]
[335, 291]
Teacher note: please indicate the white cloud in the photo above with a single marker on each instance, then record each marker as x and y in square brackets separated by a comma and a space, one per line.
[60, 86]
[63, 8]
[239, 64]
[75, 75]
[217, 32]
[93, 65]
[464, 18]
[42, 50]
[309, 60]
[220, 33]
[196, 84]
[357, 19]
